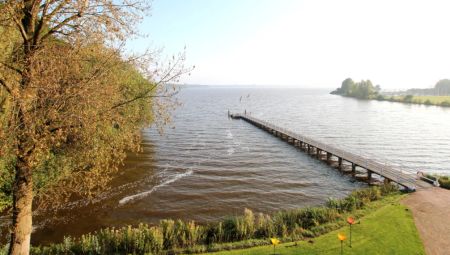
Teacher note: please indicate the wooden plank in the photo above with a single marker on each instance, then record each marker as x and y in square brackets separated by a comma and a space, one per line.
[407, 180]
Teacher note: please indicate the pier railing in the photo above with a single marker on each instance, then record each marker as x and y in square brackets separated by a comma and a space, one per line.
[403, 176]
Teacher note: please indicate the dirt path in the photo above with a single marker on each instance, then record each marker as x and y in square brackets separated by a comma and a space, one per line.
[431, 211]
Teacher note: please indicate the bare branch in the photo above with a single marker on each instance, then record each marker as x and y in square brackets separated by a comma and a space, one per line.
[63, 23]
[138, 97]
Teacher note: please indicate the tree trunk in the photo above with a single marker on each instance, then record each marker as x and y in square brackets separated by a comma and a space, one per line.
[22, 210]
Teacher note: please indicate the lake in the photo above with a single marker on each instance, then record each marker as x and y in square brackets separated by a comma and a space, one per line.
[208, 166]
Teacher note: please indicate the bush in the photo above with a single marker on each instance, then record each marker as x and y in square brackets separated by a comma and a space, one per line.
[444, 182]
[263, 226]
[408, 98]
[388, 189]
[380, 98]
[445, 103]
[428, 102]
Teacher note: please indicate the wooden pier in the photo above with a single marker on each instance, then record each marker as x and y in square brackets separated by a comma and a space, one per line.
[345, 161]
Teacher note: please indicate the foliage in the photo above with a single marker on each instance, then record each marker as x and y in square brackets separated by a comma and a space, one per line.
[445, 103]
[72, 103]
[444, 182]
[362, 90]
[180, 236]
[426, 100]
[388, 230]
[441, 88]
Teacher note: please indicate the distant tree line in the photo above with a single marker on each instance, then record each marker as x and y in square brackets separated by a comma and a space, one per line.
[442, 88]
[363, 89]
[439, 95]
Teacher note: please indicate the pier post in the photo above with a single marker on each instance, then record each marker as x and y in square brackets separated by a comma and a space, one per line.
[309, 149]
[386, 181]
[369, 176]
[353, 169]
[318, 152]
[340, 163]
[329, 157]
[301, 144]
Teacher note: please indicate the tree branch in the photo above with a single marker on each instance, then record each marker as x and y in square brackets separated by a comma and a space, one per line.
[56, 28]
[22, 31]
[41, 22]
[140, 96]
[3, 83]
[12, 67]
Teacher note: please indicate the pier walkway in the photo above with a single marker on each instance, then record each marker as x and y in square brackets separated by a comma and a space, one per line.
[340, 158]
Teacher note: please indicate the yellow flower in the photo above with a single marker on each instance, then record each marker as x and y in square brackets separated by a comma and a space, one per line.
[275, 241]
[341, 237]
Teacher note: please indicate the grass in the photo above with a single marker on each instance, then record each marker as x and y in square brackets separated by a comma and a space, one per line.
[427, 100]
[434, 100]
[388, 230]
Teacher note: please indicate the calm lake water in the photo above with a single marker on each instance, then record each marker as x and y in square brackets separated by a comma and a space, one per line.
[210, 166]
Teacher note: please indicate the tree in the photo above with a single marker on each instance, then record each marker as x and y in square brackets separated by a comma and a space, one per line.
[363, 89]
[71, 97]
[442, 87]
[348, 86]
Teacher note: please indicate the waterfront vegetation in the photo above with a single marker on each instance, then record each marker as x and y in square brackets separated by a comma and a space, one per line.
[410, 99]
[362, 90]
[387, 230]
[233, 232]
[444, 181]
[439, 95]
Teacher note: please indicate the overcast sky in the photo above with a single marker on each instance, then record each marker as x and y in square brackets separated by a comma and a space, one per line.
[316, 43]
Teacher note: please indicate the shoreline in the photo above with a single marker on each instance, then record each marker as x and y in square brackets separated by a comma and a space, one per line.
[416, 100]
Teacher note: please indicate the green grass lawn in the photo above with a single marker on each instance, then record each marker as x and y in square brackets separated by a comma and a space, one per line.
[389, 230]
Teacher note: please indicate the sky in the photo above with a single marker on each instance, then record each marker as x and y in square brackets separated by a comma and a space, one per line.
[313, 44]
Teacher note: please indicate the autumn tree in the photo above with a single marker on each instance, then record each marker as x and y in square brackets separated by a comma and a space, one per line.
[71, 103]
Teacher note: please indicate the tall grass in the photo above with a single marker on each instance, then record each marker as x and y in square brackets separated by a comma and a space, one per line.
[170, 237]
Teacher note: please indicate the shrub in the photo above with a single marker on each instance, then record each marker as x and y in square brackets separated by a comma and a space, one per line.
[444, 182]
[445, 103]
[370, 194]
[213, 233]
[380, 98]
[168, 233]
[428, 102]
[408, 98]
[263, 226]
[388, 188]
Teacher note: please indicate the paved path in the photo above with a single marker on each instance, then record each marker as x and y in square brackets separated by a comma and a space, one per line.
[431, 211]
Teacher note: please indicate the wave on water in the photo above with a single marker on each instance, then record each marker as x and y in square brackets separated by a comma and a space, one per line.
[148, 192]
[229, 134]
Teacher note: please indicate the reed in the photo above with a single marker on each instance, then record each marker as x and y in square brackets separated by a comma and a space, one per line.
[172, 237]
